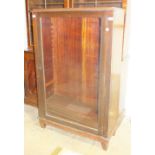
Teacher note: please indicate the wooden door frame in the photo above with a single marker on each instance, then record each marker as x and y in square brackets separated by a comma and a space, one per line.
[104, 65]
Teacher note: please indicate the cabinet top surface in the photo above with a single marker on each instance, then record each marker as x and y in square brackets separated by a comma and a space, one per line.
[100, 9]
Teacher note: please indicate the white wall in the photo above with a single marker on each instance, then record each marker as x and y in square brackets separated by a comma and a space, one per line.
[140, 97]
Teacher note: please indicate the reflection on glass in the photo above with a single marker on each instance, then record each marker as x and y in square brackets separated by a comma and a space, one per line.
[71, 52]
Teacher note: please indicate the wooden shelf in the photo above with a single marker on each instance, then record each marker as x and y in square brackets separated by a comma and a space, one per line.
[69, 108]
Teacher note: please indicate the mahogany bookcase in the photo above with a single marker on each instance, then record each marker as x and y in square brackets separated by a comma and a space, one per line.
[78, 58]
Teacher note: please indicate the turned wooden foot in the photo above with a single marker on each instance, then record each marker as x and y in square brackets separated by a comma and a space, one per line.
[105, 145]
[42, 124]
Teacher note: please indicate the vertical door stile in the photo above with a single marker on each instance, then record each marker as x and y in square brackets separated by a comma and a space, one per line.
[101, 83]
[104, 75]
[37, 30]
[42, 67]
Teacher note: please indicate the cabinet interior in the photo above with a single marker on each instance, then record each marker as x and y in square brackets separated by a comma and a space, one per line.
[71, 65]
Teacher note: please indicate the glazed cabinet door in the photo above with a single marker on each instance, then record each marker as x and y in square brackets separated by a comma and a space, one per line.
[68, 61]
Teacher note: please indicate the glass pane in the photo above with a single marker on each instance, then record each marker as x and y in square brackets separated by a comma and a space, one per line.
[71, 52]
[84, 3]
[54, 3]
[96, 3]
[37, 4]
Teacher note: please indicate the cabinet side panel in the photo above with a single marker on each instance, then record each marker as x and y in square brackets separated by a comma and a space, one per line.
[115, 110]
[30, 85]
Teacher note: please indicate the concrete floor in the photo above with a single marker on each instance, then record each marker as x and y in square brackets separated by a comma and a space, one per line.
[40, 141]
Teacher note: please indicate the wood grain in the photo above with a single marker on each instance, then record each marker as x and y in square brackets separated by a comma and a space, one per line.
[30, 84]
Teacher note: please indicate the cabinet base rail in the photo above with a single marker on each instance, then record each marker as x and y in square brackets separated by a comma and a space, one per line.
[104, 141]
